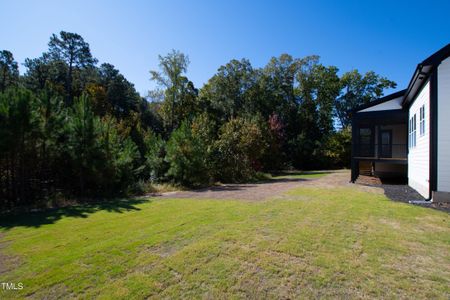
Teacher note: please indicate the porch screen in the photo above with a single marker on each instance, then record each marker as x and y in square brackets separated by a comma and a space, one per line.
[366, 142]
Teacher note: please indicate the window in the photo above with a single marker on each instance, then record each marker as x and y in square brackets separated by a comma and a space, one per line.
[409, 133]
[422, 120]
[412, 132]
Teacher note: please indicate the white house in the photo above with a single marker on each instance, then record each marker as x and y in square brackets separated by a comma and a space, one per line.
[408, 133]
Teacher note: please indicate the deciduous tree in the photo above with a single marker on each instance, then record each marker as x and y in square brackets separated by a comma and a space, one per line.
[359, 89]
[171, 78]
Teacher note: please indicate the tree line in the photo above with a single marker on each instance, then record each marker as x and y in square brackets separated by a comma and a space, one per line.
[70, 127]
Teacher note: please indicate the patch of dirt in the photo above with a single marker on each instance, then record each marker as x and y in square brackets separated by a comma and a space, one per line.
[391, 223]
[277, 187]
[340, 178]
[3, 261]
[7, 262]
[166, 249]
[258, 191]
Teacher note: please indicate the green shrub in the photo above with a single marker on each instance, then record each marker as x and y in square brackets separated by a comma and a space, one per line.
[337, 150]
[187, 156]
[238, 150]
[155, 157]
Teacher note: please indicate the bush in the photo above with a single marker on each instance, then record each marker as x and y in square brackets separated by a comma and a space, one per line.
[155, 157]
[239, 150]
[337, 150]
[187, 156]
[333, 151]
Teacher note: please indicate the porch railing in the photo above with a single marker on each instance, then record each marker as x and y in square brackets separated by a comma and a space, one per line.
[381, 151]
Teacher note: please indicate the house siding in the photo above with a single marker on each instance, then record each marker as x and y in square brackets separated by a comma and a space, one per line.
[443, 132]
[419, 156]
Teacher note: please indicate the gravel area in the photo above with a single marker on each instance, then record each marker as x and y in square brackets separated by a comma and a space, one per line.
[252, 191]
[396, 191]
[261, 191]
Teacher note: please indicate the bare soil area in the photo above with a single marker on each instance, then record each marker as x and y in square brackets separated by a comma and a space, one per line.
[7, 262]
[263, 190]
[276, 187]
[247, 191]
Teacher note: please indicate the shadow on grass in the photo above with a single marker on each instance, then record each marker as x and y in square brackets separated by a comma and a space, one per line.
[50, 216]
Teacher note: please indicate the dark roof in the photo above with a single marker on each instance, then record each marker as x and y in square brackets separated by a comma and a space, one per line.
[437, 57]
[380, 100]
[423, 71]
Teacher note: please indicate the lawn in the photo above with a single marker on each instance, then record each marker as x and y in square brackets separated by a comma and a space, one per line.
[300, 175]
[310, 242]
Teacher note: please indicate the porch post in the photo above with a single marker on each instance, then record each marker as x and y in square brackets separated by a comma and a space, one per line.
[354, 163]
[377, 145]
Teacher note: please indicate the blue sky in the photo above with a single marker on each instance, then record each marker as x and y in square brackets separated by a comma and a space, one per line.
[389, 37]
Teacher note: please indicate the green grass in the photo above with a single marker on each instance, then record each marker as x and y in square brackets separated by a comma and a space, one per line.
[300, 175]
[322, 243]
